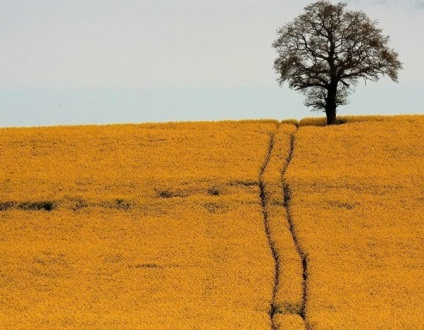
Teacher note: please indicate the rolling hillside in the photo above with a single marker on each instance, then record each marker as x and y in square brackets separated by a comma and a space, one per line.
[220, 225]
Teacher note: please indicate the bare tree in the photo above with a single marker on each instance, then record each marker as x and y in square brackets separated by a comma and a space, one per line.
[325, 51]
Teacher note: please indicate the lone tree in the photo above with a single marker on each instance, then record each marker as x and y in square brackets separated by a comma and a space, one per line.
[325, 51]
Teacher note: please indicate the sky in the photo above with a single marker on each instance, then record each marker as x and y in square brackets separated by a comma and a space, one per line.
[67, 62]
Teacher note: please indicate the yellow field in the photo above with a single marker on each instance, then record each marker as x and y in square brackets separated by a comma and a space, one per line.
[358, 208]
[152, 227]
[131, 162]
[288, 290]
[226, 225]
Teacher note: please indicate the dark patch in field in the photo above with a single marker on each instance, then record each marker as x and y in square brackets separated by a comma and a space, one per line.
[29, 206]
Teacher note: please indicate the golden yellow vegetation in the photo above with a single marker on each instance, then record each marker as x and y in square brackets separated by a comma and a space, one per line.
[131, 162]
[227, 225]
[288, 294]
[358, 206]
[150, 227]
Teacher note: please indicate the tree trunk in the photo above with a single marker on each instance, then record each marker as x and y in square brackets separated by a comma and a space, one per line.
[330, 106]
[331, 115]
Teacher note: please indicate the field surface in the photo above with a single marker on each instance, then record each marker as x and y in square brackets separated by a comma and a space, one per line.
[226, 225]
[150, 227]
[357, 203]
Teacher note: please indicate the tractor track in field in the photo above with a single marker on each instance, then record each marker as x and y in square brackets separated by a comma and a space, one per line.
[304, 257]
[273, 310]
[275, 255]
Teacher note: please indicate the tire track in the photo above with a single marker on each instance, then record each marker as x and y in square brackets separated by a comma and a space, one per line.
[281, 234]
[264, 198]
[304, 257]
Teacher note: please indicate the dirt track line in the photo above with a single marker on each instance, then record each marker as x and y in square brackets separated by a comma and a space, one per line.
[304, 257]
[262, 194]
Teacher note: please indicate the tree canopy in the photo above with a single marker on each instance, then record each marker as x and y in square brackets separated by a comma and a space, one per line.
[325, 51]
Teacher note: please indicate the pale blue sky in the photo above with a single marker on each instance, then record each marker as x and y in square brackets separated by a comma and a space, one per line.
[117, 61]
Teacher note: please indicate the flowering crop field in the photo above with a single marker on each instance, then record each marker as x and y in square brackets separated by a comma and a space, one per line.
[357, 203]
[134, 227]
[213, 225]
